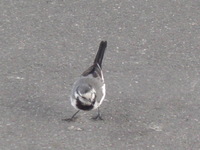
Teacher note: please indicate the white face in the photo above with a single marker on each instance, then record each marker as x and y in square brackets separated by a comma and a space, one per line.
[86, 98]
[90, 95]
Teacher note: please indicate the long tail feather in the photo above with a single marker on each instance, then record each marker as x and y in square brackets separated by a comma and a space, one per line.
[100, 53]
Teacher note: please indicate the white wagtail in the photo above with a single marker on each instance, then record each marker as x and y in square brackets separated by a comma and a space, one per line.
[89, 90]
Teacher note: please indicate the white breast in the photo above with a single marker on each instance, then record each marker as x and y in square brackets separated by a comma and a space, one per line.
[97, 104]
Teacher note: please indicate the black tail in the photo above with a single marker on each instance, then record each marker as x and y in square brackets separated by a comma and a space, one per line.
[100, 53]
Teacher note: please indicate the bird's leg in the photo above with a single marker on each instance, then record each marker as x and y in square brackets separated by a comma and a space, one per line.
[98, 117]
[72, 118]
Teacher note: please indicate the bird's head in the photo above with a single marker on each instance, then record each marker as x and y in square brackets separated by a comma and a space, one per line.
[86, 93]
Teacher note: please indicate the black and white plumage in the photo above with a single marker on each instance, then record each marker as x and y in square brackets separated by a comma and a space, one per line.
[89, 90]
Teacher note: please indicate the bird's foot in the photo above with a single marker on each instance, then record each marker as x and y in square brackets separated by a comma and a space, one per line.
[70, 119]
[73, 118]
[98, 117]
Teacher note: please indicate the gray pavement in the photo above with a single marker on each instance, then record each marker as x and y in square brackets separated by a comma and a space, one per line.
[152, 71]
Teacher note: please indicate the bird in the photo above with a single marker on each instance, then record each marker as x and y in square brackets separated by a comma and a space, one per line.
[89, 90]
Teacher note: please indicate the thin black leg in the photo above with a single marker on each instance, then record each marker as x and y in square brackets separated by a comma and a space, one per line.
[98, 117]
[72, 118]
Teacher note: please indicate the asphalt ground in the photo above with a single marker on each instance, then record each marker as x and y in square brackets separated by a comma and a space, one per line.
[151, 69]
